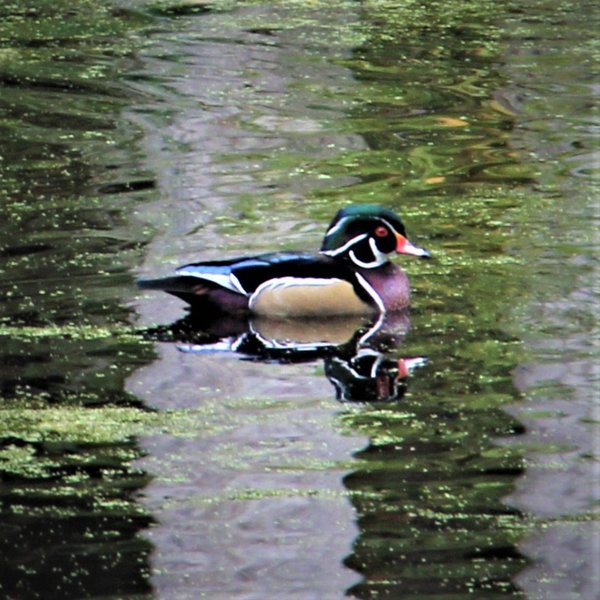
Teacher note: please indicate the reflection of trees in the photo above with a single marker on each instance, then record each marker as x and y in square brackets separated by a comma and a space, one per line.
[70, 520]
[429, 501]
[69, 517]
[428, 489]
[425, 101]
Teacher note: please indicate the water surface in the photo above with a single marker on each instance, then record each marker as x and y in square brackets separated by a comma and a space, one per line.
[139, 136]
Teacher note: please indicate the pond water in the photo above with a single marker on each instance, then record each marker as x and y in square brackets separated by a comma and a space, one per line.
[450, 452]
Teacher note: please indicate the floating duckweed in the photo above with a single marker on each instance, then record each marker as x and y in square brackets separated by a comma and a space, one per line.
[72, 332]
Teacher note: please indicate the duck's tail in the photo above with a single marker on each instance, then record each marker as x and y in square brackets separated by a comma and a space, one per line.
[201, 295]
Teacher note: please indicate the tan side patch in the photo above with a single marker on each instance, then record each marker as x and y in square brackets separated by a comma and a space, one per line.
[283, 298]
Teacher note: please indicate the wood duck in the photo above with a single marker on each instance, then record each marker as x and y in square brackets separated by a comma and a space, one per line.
[352, 274]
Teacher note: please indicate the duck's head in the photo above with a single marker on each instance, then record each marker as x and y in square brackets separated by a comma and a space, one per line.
[365, 234]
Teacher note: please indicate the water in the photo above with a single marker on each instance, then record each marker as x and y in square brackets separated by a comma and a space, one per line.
[144, 461]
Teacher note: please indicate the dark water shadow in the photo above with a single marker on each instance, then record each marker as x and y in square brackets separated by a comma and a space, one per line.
[65, 525]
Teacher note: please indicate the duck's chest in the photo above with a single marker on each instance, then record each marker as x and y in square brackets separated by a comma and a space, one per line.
[390, 283]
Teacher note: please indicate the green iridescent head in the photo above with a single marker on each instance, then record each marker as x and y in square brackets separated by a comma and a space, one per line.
[366, 234]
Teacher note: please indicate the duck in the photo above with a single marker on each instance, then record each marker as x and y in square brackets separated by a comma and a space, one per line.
[352, 274]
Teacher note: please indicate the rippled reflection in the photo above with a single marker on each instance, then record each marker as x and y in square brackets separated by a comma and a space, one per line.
[246, 459]
[358, 354]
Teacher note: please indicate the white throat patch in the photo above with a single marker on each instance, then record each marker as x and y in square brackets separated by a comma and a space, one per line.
[379, 258]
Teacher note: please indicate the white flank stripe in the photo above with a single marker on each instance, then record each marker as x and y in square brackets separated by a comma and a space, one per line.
[228, 281]
[369, 289]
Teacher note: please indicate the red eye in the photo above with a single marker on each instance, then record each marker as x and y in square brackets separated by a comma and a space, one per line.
[381, 231]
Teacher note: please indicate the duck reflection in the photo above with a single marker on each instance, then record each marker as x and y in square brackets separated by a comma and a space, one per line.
[358, 353]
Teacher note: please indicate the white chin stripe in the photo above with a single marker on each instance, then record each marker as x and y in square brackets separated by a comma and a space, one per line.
[379, 258]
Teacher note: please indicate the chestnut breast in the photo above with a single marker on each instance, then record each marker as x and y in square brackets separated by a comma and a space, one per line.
[390, 283]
